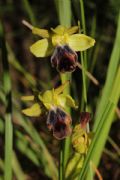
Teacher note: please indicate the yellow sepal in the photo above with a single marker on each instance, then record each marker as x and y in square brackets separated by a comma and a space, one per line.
[41, 48]
[80, 42]
[27, 98]
[33, 111]
[40, 32]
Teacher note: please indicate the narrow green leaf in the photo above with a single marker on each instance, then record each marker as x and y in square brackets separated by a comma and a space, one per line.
[112, 68]
[28, 9]
[64, 12]
[101, 139]
[7, 117]
[45, 156]
[17, 168]
[96, 140]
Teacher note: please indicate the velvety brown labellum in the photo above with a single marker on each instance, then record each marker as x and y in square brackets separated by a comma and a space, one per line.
[64, 59]
[84, 118]
[59, 122]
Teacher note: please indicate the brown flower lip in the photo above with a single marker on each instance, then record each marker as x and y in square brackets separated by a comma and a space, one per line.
[59, 122]
[64, 59]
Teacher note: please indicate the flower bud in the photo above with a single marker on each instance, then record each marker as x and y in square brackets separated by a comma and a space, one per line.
[74, 166]
[64, 59]
[59, 122]
[80, 140]
[84, 119]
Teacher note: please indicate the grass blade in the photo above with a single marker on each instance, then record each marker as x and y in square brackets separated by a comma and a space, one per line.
[112, 68]
[92, 149]
[109, 98]
[46, 158]
[64, 12]
[8, 118]
[29, 11]
[99, 145]
[17, 168]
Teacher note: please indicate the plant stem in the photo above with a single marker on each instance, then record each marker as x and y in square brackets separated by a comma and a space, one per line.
[84, 87]
[84, 79]
[66, 142]
[61, 161]
[64, 13]
[84, 60]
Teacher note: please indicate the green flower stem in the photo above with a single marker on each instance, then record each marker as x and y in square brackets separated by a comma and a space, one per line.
[84, 79]
[63, 8]
[8, 104]
[84, 59]
[84, 86]
[65, 143]
[61, 161]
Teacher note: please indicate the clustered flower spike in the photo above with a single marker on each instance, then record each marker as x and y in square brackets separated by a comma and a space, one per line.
[62, 43]
[54, 102]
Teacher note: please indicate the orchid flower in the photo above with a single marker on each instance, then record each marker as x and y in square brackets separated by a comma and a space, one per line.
[61, 44]
[54, 103]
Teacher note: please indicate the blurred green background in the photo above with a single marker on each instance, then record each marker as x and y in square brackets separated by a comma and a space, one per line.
[29, 74]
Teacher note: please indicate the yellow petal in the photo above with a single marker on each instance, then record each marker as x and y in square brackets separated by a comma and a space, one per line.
[27, 98]
[70, 102]
[61, 88]
[72, 30]
[34, 110]
[47, 98]
[61, 101]
[80, 42]
[60, 39]
[59, 30]
[40, 32]
[41, 48]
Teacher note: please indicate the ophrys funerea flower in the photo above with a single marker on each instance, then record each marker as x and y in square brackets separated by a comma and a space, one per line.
[54, 103]
[61, 44]
[60, 39]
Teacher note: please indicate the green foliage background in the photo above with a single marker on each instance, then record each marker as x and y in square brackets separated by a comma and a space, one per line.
[27, 149]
